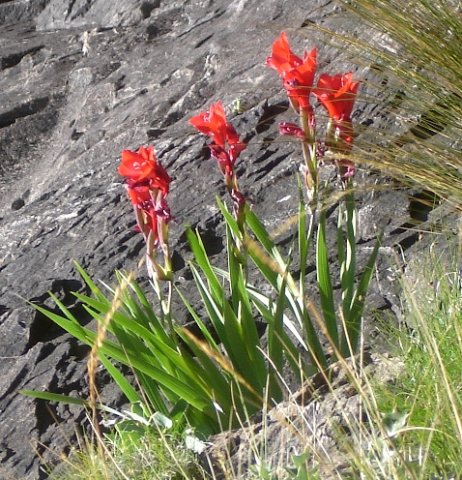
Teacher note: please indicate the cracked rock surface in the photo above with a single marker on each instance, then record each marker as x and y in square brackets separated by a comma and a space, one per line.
[79, 82]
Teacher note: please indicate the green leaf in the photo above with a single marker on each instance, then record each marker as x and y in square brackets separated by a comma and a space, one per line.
[70, 326]
[264, 266]
[99, 310]
[235, 271]
[341, 247]
[214, 311]
[235, 345]
[260, 299]
[170, 383]
[129, 392]
[348, 266]
[229, 219]
[276, 346]
[324, 282]
[291, 351]
[230, 331]
[216, 380]
[242, 308]
[315, 349]
[204, 330]
[89, 282]
[54, 397]
[353, 322]
[259, 231]
[304, 235]
[202, 260]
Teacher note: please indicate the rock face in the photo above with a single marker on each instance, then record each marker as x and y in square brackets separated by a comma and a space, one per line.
[79, 82]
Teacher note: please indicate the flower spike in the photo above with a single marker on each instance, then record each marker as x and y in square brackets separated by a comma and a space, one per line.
[226, 145]
[337, 94]
[148, 184]
[225, 148]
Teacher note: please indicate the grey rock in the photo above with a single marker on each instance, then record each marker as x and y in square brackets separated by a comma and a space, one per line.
[79, 82]
[12, 11]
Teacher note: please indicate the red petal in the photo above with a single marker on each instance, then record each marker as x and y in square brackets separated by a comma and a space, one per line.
[129, 157]
[212, 123]
[200, 122]
[282, 59]
[147, 153]
[337, 93]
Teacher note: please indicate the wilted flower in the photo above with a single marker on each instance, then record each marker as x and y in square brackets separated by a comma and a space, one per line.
[347, 169]
[297, 73]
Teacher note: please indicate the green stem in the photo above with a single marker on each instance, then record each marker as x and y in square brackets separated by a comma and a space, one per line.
[312, 190]
[309, 155]
[239, 209]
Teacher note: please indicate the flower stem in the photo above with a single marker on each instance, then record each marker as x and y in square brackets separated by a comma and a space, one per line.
[309, 155]
[238, 200]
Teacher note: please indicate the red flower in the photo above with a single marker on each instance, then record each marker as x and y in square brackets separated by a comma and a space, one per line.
[297, 74]
[147, 185]
[141, 168]
[149, 224]
[140, 196]
[337, 94]
[213, 124]
[226, 145]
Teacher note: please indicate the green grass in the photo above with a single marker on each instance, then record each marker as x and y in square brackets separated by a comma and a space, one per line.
[426, 72]
[141, 455]
[430, 389]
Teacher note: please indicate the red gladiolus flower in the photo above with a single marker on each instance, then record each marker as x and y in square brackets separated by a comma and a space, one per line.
[213, 123]
[147, 185]
[141, 168]
[140, 196]
[297, 74]
[226, 145]
[337, 94]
